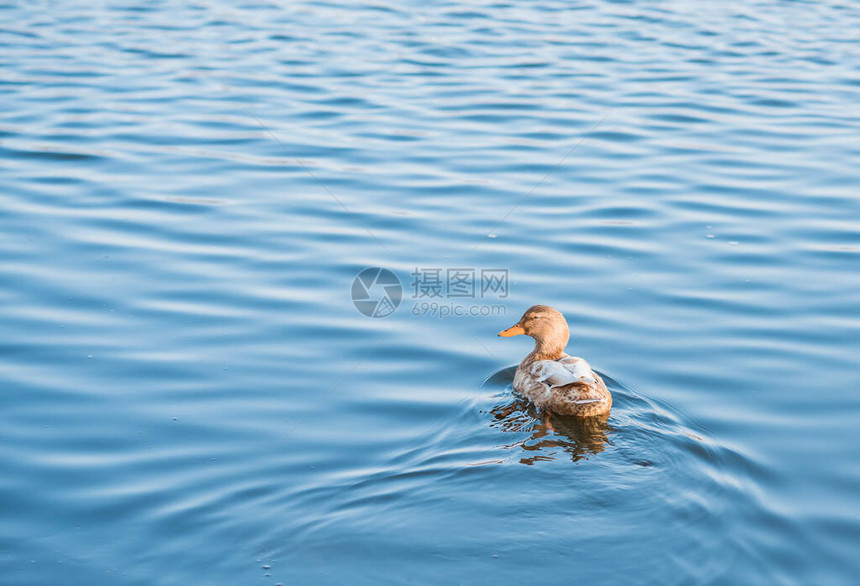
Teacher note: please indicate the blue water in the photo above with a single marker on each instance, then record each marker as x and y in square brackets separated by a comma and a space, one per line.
[189, 395]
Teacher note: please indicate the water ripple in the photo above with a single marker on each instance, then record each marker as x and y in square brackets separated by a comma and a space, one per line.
[189, 394]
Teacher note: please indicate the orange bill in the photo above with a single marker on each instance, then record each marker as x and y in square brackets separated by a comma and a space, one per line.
[516, 330]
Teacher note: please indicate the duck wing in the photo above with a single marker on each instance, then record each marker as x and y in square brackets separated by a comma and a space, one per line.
[564, 371]
[566, 386]
[537, 380]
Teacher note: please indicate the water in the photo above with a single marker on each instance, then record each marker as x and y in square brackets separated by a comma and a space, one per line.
[190, 396]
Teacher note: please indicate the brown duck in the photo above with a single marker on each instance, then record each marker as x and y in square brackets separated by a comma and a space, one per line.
[548, 377]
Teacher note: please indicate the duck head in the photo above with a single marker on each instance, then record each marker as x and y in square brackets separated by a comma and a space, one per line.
[548, 328]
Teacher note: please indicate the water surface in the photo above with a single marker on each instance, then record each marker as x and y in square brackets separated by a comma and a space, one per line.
[190, 396]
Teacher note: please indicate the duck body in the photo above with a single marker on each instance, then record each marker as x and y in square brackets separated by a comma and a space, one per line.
[551, 379]
[566, 386]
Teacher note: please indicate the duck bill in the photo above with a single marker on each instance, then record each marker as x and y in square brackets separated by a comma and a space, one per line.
[516, 330]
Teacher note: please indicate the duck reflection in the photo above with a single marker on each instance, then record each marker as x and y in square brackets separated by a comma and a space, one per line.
[551, 435]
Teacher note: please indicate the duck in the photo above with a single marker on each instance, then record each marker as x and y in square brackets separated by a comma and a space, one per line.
[548, 377]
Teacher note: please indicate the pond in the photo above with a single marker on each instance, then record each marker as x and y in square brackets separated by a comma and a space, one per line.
[197, 387]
